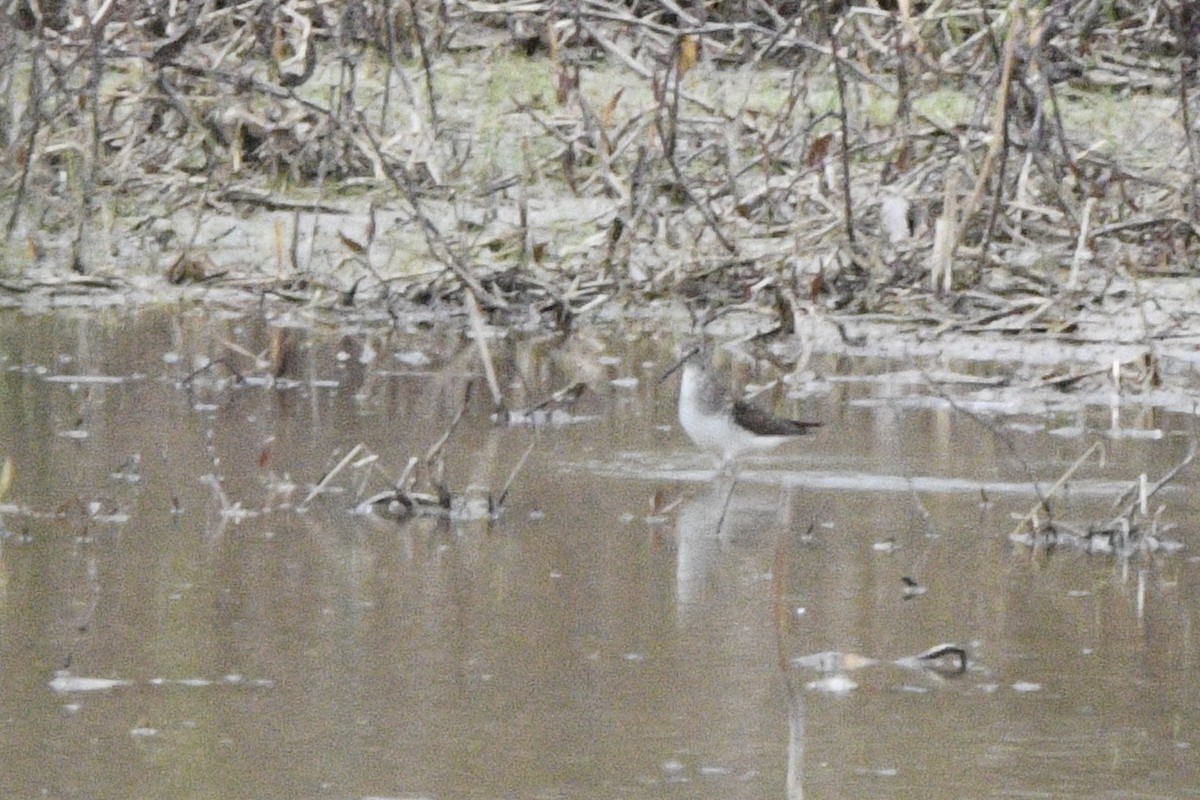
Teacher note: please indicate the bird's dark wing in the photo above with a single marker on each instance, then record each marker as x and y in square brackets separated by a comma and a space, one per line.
[755, 420]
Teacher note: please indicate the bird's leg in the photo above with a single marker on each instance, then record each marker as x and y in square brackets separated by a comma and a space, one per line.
[725, 506]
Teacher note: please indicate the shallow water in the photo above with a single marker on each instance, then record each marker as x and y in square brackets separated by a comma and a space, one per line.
[175, 621]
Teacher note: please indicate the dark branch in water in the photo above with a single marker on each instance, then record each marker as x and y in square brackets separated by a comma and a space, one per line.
[223, 361]
[512, 476]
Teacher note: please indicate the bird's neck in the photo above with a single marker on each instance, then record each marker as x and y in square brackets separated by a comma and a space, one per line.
[699, 392]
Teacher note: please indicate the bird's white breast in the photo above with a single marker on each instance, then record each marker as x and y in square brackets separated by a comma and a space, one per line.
[709, 422]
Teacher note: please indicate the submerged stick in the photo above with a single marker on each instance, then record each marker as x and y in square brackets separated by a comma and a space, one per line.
[436, 447]
[1044, 502]
[512, 476]
[407, 473]
[321, 484]
[1142, 498]
[218, 491]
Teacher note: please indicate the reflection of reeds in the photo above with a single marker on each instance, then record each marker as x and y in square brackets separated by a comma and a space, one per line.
[6, 475]
[783, 619]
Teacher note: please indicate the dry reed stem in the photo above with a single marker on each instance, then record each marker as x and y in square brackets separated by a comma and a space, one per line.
[753, 176]
[999, 117]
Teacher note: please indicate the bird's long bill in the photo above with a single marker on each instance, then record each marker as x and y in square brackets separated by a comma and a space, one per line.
[679, 362]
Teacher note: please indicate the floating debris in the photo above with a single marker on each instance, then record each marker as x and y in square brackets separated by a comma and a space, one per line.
[1116, 541]
[130, 471]
[912, 589]
[63, 683]
[93, 379]
[397, 504]
[943, 659]
[837, 683]
[551, 411]
[553, 418]
[413, 358]
[192, 682]
[833, 661]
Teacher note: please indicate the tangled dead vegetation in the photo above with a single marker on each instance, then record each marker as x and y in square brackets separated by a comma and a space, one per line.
[958, 163]
[1135, 530]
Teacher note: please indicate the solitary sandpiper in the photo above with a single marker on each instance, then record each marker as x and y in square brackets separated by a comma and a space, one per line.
[716, 422]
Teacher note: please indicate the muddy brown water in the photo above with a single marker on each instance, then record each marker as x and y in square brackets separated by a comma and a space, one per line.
[632, 624]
